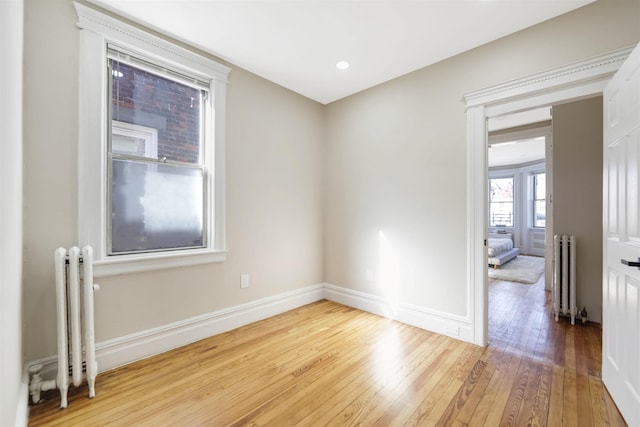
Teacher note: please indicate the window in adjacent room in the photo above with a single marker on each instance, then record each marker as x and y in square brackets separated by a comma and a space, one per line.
[501, 202]
[128, 138]
[539, 199]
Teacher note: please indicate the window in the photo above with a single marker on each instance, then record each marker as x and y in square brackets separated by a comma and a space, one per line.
[151, 149]
[133, 139]
[501, 202]
[539, 199]
[158, 189]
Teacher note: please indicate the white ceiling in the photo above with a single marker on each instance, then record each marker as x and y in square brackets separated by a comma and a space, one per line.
[512, 149]
[516, 152]
[296, 43]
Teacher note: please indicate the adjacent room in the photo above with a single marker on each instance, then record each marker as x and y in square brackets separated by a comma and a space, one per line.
[287, 207]
[518, 213]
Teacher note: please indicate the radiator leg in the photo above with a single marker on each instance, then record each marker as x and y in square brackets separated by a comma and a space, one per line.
[63, 396]
[92, 387]
[90, 349]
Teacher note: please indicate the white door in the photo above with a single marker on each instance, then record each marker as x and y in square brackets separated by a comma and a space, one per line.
[621, 293]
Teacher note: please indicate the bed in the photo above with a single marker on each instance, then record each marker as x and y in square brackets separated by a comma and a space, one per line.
[500, 250]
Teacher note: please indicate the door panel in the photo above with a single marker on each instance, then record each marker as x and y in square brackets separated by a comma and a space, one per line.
[610, 189]
[631, 180]
[621, 287]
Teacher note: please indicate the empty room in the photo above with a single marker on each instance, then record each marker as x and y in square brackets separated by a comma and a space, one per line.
[281, 211]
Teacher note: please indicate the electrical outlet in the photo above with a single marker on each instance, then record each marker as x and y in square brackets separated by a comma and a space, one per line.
[369, 275]
[244, 280]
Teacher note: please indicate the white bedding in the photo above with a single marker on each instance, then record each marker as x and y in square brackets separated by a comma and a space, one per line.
[499, 245]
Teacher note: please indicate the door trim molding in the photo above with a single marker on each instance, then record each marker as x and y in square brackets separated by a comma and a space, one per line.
[570, 82]
[599, 67]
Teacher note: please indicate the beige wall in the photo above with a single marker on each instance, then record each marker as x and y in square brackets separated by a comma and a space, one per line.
[274, 199]
[577, 193]
[300, 177]
[396, 157]
[11, 361]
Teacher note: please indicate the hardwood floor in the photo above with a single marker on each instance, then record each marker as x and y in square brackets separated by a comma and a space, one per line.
[327, 364]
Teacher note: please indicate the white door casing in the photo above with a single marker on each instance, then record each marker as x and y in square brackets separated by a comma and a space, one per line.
[548, 230]
[621, 237]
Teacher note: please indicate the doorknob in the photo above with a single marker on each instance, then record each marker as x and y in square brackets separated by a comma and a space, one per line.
[631, 263]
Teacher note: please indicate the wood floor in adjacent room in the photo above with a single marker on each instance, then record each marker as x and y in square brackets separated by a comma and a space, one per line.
[327, 364]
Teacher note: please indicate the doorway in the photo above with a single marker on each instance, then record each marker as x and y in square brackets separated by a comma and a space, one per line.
[580, 80]
[518, 151]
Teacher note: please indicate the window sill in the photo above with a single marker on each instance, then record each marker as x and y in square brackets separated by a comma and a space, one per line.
[124, 264]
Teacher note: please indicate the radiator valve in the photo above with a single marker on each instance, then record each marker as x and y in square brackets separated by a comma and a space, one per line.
[583, 315]
[37, 385]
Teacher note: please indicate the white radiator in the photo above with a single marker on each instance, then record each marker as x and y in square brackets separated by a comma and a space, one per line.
[75, 317]
[563, 292]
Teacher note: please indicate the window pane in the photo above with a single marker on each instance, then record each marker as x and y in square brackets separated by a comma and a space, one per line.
[540, 186]
[126, 144]
[539, 203]
[170, 108]
[539, 213]
[501, 214]
[155, 206]
[501, 202]
[501, 189]
[134, 140]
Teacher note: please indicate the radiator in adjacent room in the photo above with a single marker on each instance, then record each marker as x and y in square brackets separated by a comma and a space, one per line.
[563, 292]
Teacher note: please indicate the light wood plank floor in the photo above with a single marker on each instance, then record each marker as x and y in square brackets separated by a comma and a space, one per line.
[327, 364]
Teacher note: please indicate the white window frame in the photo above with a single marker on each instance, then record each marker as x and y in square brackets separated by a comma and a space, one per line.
[513, 201]
[533, 175]
[96, 30]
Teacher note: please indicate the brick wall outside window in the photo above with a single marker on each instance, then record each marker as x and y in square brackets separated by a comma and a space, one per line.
[146, 99]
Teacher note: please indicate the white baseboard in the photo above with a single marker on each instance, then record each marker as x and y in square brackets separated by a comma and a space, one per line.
[443, 323]
[120, 351]
[123, 350]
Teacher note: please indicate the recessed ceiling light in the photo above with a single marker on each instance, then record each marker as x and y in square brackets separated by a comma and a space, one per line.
[342, 65]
